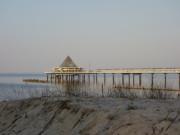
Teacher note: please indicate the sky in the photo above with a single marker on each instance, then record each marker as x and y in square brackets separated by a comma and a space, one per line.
[36, 35]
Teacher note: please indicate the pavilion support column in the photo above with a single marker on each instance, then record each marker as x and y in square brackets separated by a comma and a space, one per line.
[66, 77]
[139, 80]
[165, 80]
[122, 80]
[152, 80]
[59, 77]
[71, 78]
[129, 80]
[133, 80]
[62, 78]
[79, 77]
[47, 78]
[113, 78]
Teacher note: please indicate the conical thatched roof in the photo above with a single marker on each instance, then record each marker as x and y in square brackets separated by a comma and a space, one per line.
[68, 62]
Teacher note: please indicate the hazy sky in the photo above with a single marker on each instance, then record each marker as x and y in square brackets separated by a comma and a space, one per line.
[36, 35]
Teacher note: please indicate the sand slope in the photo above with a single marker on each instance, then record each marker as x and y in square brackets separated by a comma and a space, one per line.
[90, 116]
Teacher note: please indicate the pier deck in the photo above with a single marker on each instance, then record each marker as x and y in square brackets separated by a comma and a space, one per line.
[126, 71]
[133, 71]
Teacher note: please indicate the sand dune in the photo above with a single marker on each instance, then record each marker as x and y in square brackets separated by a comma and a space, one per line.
[90, 116]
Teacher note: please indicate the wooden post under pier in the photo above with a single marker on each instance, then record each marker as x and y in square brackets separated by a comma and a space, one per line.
[51, 78]
[179, 81]
[58, 78]
[55, 77]
[96, 78]
[129, 80]
[62, 78]
[66, 77]
[93, 78]
[104, 78]
[113, 78]
[139, 80]
[123, 80]
[152, 80]
[133, 79]
[84, 78]
[79, 77]
[165, 80]
[71, 78]
[47, 78]
[89, 78]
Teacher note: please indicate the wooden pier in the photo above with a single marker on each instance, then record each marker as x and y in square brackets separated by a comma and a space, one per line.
[69, 75]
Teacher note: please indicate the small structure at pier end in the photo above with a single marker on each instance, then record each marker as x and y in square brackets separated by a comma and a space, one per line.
[67, 66]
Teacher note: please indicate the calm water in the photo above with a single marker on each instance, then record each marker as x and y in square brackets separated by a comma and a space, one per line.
[13, 83]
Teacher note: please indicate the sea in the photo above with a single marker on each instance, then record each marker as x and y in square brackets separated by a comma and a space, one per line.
[12, 86]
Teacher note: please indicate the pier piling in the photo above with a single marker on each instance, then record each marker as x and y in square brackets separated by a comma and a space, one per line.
[113, 79]
[139, 80]
[152, 80]
[51, 78]
[55, 78]
[129, 80]
[89, 78]
[104, 78]
[96, 78]
[47, 78]
[179, 81]
[84, 78]
[165, 80]
[123, 80]
[93, 78]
